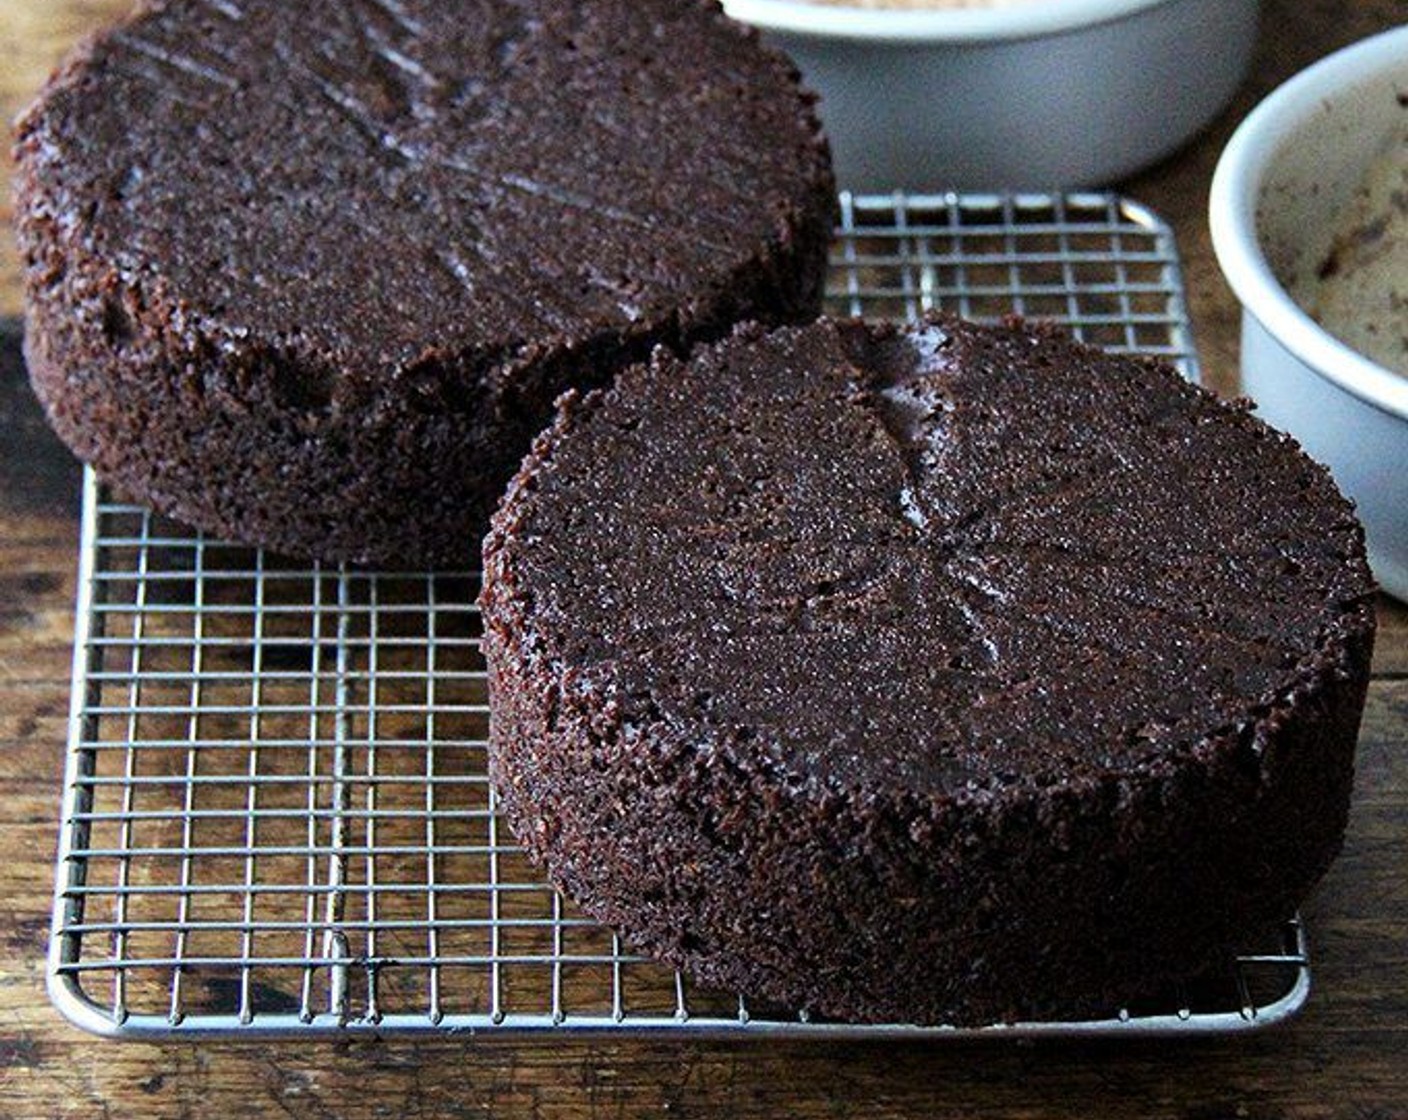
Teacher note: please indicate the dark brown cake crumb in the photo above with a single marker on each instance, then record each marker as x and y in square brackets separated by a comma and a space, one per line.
[310, 275]
[954, 674]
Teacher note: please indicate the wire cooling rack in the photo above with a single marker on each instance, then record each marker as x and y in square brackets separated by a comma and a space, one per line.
[276, 818]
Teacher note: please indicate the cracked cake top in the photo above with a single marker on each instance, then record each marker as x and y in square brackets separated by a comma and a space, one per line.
[933, 559]
[369, 180]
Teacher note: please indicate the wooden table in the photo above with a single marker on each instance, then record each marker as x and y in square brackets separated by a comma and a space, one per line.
[1346, 1056]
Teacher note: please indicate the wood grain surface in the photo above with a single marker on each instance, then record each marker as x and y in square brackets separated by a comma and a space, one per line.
[1346, 1056]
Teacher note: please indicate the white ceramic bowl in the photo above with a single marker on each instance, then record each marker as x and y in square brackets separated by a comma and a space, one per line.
[1039, 94]
[1282, 183]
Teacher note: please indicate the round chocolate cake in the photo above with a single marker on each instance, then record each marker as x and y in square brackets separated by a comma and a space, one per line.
[310, 275]
[952, 674]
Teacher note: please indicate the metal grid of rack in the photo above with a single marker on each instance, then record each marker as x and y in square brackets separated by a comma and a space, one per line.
[276, 817]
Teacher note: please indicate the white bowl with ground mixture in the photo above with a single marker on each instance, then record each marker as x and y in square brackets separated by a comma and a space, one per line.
[1310, 223]
[978, 94]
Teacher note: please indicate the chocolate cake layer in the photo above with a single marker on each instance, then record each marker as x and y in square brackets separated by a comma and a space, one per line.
[310, 275]
[955, 674]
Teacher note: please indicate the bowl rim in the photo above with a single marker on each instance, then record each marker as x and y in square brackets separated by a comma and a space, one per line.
[1021, 19]
[1235, 198]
